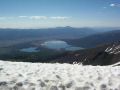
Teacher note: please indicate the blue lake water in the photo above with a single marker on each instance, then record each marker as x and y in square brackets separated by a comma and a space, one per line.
[73, 48]
[55, 45]
[58, 45]
[30, 49]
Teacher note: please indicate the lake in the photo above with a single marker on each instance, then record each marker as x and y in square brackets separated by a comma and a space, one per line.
[30, 49]
[54, 44]
[60, 45]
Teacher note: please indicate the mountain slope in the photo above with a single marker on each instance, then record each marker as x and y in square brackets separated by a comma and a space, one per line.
[10, 37]
[103, 55]
[43, 76]
[58, 32]
[97, 39]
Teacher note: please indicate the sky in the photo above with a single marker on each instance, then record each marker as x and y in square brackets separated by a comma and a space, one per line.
[59, 13]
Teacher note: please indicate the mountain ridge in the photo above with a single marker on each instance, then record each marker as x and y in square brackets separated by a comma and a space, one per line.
[97, 39]
[102, 55]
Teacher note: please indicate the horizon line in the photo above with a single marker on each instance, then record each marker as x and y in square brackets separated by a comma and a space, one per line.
[60, 27]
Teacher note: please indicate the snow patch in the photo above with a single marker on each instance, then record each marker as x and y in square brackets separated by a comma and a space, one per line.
[115, 49]
[44, 76]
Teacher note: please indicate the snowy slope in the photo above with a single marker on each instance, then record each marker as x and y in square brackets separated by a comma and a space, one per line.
[113, 50]
[39, 76]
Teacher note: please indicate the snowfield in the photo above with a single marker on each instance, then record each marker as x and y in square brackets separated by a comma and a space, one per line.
[43, 76]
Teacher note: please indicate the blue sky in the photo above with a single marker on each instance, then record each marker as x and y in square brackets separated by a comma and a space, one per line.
[55, 13]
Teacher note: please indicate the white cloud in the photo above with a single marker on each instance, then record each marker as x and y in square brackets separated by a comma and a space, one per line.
[60, 18]
[38, 17]
[22, 16]
[34, 17]
[114, 5]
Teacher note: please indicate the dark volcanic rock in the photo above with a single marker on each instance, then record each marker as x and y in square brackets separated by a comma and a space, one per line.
[101, 55]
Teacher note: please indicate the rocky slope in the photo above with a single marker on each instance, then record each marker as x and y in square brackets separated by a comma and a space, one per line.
[97, 39]
[43, 76]
[102, 55]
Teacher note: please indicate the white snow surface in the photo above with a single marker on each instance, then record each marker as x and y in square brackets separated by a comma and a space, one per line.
[44, 76]
[115, 49]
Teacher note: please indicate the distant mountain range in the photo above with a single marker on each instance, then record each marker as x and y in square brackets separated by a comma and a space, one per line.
[10, 37]
[49, 33]
[97, 39]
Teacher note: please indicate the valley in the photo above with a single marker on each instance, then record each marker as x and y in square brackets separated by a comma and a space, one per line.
[37, 51]
[49, 49]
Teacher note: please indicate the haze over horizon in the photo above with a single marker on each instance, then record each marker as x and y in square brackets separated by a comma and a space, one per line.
[59, 13]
